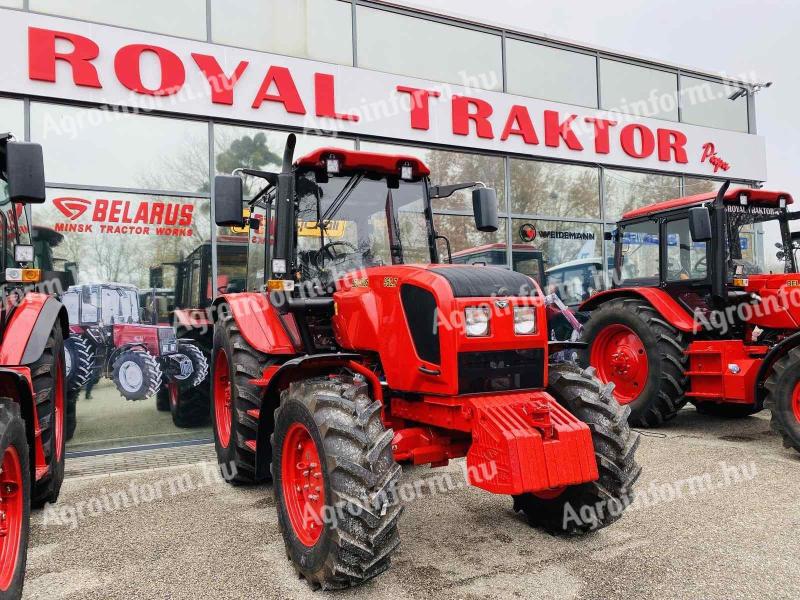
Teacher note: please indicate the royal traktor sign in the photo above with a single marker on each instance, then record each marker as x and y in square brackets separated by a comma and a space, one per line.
[65, 59]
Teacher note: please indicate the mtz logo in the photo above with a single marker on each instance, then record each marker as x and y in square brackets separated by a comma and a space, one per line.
[72, 207]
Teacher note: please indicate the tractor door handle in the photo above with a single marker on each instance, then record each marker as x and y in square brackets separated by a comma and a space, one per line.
[428, 371]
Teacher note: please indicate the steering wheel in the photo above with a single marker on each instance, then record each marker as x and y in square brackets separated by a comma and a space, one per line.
[328, 253]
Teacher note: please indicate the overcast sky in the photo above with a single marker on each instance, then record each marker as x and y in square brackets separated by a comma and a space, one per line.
[734, 36]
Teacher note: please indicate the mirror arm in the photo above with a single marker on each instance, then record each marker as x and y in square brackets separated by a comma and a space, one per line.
[272, 178]
[445, 191]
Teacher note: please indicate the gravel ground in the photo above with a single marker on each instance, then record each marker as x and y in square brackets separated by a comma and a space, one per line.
[732, 536]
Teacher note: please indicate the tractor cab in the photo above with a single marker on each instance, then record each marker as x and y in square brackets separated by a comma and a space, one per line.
[704, 250]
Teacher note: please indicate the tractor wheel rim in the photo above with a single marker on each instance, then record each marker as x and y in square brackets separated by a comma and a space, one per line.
[130, 376]
[796, 401]
[11, 513]
[620, 357]
[302, 484]
[58, 409]
[172, 389]
[223, 400]
[67, 363]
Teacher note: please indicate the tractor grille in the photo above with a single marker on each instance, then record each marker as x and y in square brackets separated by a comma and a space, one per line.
[500, 371]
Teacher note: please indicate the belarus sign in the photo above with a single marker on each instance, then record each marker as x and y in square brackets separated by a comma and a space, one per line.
[60, 58]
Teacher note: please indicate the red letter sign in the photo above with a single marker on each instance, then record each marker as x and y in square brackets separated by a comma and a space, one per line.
[221, 85]
[286, 91]
[462, 116]
[128, 66]
[669, 142]
[420, 106]
[42, 57]
[628, 140]
[519, 123]
[326, 98]
[555, 131]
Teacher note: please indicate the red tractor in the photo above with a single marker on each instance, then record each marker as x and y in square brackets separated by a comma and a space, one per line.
[363, 351]
[694, 314]
[108, 339]
[32, 390]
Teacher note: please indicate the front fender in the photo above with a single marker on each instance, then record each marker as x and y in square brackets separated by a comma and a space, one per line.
[775, 353]
[258, 321]
[669, 308]
[29, 327]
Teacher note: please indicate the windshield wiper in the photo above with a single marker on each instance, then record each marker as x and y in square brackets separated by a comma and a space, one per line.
[337, 204]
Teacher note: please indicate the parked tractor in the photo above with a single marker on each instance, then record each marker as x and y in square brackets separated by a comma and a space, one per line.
[524, 259]
[108, 339]
[365, 352]
[32, 389]
[694, 314]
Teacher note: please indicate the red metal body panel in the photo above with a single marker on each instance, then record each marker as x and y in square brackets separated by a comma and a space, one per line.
[780, 301]
[370, 318]
[515, 442]
[724, 371]
[674, 313]
[134, 333]
[732, 195]
[258, 322]
[19, 328]
[368, 161]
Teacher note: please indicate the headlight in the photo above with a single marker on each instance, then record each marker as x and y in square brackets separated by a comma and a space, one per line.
[476, 319]
[524, 320]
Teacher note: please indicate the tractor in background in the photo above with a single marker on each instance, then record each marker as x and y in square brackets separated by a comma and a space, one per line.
[365, 351]
[32, 385]
[695, 316]
[108, 339]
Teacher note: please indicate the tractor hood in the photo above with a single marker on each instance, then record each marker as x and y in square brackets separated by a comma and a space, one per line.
[414, 318]
[779, 307]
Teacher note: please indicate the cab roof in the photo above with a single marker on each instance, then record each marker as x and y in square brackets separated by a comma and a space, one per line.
[732, 196]
[354, 160]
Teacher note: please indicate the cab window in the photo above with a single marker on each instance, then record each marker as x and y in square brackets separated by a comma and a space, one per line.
[640, 251]
[686, 260]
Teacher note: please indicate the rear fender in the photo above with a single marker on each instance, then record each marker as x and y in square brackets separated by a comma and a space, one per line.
[669, 308]
[29, 327]
[277, 379]
[258, 321]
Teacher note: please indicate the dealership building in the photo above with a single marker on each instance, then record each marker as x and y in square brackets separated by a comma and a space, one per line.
[139, 105]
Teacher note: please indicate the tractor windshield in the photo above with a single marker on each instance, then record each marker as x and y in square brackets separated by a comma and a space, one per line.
[353, 222]
[744, 226]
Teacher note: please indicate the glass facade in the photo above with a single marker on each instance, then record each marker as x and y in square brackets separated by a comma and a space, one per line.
[316, 29]
[129, 196]
[540, 71]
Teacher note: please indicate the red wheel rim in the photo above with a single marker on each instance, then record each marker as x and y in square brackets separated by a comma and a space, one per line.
[11, 510]
[172, 389]
[58, 409]
[223, 402]
[302, 484]
[619, 356]
[796, 401]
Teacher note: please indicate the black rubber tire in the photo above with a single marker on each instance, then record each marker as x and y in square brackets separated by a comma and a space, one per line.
[151, 374]
[665, 392]
[43, 373]
[162, 399]
[726, 410]
[71, 414]
[81, 362]
[615, 444]
[190, 407]
[356, 453]
[237, 460]
[199, 364]
[780, 386]
[12, 433]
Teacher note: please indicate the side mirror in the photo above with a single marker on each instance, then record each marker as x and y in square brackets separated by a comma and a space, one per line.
[700, 224]
[25, 173]
[484, 205]
[228, 201]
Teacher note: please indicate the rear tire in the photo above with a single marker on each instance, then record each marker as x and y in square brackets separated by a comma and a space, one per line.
[783, 398]
[16, 472]
[648, 368]
[189, 407]
[49, 388]
[234, 362]
[136, 374]
[347, 443]
[726, 410]
[615, 444]
[79, 364]
[162, 399]
[71, 414]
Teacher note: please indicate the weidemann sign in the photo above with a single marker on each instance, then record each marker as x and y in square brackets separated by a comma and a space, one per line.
[71, 60]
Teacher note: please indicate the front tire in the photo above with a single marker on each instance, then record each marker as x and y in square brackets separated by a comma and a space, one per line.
[590, 506]
[199, 363]
[633, 347]
[136, 374]
[783, 398]
[341, 530]
[15, 499]
[49, 389]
